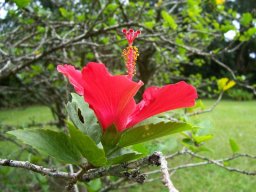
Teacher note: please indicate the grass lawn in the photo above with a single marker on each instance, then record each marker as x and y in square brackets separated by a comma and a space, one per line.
[236, 120]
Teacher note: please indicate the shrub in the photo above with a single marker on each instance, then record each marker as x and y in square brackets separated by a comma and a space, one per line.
[240, 95]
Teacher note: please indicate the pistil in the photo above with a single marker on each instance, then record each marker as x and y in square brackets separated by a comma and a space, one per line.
[130, 53]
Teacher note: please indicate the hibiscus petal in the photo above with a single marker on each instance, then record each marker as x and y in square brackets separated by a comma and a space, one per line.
[157, 100]
[74, 76]
[111, 97]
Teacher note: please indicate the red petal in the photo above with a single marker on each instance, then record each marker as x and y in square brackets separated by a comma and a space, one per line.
[111, 97]
[74, 76]
[157, 100]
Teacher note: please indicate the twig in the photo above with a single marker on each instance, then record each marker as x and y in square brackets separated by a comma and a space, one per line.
[208, 161]
[71, 168]
[224, 66]
[166, 176]
[218, 163]
[211, 108]
[36, 168]
[77, 176]
[96, 54]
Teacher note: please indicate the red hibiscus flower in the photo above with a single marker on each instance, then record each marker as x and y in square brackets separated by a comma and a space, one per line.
[112, 96]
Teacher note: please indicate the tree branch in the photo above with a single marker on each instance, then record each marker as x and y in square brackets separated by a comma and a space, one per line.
[211, 108]
[36, 168]
[166, 176]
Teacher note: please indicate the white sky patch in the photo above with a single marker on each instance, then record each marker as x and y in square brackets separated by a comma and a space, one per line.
[230, 35]
[252, 55]
[254, 23]
[3, 12]
[124, 2]
[236, 24]
[219, 18]
[4, 7]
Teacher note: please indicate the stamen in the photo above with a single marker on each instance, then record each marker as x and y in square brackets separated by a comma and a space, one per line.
[130, 53]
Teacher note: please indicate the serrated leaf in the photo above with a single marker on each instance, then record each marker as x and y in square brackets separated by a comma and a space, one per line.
[169, 19]
[55, 144]
[151, 130]
[234, 146]
[123, 155]
[84, 118]
[142, 148]
[87, 146]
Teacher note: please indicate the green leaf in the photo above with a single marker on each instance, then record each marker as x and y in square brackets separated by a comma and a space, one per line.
[64, 12]
[169, 19]
[111, 7]
[203, 138]
[87, 146]
[83, 117]
[55, 144]
[123, 155]
[89, 56]
[94, 185]
[199, 105]
[21, 3]
[110, 139]
[234, 146]
[248, 34]
[151, 129]
[149, 24]
[143, 148]
[246, 19]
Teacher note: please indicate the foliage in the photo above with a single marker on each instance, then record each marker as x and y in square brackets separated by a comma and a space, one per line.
[56, 144]
[240, 94]
[83, 117]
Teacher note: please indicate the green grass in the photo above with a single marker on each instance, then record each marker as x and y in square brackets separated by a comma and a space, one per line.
[234, 120]
[229, 119]
[22, 116]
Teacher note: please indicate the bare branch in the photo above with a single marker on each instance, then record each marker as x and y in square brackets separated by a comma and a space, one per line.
[208, 161]
[211, 108]
[35, 168]
[166, 176]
